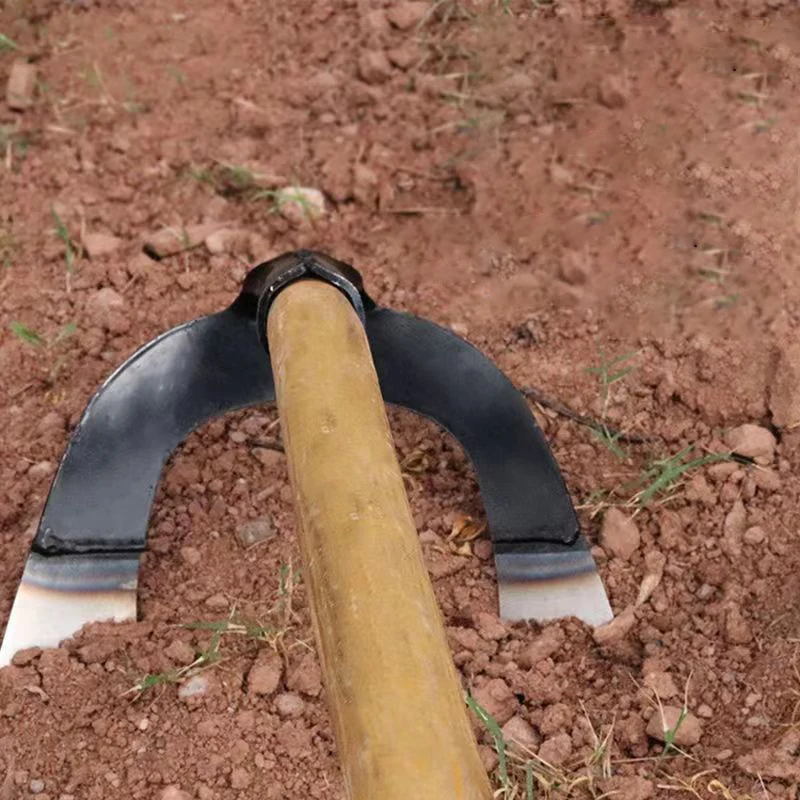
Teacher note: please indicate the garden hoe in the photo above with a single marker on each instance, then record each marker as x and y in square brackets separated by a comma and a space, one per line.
[304, 330]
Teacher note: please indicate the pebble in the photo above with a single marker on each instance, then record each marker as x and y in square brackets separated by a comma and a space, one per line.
[556, 750]
[754, 535]
[180, 652]
[784, 396]
[240, 778]
[21, 85]
[556, 717]
[613, 91]
[705, 711]
[36, 786]
[101, 244]
[490, 627]
[265, 675]
[23, 658]
[255, 531]
[365, 186]
[664, 720]
[170, 241]
[191, 555]
[290, 705]
[766, 479]
[305, 676]
[542, 647]
[218, 602]
[374, 67]
[268, 457]
[520, 732]
[624, 787]
[228, 240]
[196, 687]
[174, 793]
[497, 699]
[298, 204]
[41, 470]
[661, 683]
[616, 630]
[482, 549]
[737, 629]
[752, 441]
[619, 534]
[405, 56]
[405, 15]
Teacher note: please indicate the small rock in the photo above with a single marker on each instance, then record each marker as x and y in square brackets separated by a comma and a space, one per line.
[240, 778]
[483, 549]
[191, 555]
[573, 270]
[699, 489]
[733, 529]
[180, 652]
[255, 531]
[556, 717]
[51, 423]
[21, 85]
[488, 757]
[556, 750]
[490, 627]
[520, 732]
[290, 705]
[41, 470]
[374, 67]
[667, 719]
[619, 534]
[305, 676]
[542, 647]
[498, 700]
[405, 56]
[365, 186]
[613, 91]
[265, 675]
[36, 786]
[737, 629]
[405, 15]
[616, 630]
[100, 244]
[298, 204]
[705, 712]
[560, 175]
[193, 689]
[661, 683]
[218, 602]
[753, 442]
[104, 308]
[228, 240]
[23, 658]
[784, 399]
[170, 241]
[754, 535]
[174, 793]
[623, 787]
[766, 479]
[268, 457]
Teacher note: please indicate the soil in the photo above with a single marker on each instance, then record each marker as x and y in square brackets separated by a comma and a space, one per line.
[563, 182]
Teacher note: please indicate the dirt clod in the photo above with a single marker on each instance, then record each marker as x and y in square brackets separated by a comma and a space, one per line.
[752, 441]
[101, 244]
[255, 531]
[374, 67]
[407, 13]
[520, 732]
[21, 85]
[497, 699]
[615, 631]
[784, 399]
[670, 723]
[265, 675]
[619, 534]
[290, 705]
[174, 793]
[305, 676]
[556, 750]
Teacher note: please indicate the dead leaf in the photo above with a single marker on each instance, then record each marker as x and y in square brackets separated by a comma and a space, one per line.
[465, 529]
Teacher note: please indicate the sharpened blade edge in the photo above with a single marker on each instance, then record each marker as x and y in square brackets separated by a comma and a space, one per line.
[551, 584]
[58, 595]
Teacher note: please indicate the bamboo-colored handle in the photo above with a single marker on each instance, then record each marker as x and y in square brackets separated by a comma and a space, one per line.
[399, 716]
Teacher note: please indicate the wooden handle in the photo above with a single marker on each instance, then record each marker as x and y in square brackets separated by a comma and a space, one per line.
[399, 716]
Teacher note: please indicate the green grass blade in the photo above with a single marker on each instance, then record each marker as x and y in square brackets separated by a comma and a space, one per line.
[497, 735]
[27, 335]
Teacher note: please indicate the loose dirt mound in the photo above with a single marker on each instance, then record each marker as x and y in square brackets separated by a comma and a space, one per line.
[580, 187]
